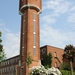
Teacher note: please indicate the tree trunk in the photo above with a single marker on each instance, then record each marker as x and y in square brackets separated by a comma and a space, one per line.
[71, 66]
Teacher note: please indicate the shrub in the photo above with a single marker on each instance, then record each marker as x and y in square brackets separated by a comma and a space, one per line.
[40, 70]
[65, 66]
[65, 72]
[47, 61]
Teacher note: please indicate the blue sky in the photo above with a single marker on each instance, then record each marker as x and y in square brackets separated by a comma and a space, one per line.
[57, 24]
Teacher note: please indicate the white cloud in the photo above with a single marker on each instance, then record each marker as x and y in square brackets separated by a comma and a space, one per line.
[58, 6]
[72, 9]
[55, 37]
[11, 43]
[62, 8]
[50, 4]
[48, 19]
[54, 11]
[71, 18]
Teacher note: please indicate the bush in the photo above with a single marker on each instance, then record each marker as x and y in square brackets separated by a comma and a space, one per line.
[65, 66]
[65, 72]
[40, 70]
[47, 61]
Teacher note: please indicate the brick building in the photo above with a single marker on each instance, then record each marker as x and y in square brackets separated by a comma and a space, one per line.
[56, 54]
[9, 66]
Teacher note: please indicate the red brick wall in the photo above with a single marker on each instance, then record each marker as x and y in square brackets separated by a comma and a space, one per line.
[59, 52]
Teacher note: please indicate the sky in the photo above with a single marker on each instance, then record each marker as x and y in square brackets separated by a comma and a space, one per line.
[57, 24]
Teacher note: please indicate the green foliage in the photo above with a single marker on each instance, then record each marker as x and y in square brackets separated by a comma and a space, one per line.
[69, 51]
[69, 54]
[65, 72]
[65, 66]
[2, 54]
[47, 61]
[28, 59]
[0, 33]
[46, 66]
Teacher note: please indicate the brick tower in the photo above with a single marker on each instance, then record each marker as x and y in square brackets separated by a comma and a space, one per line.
[30, 35]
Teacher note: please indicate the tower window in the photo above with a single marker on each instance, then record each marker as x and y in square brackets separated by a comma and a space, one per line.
[34, 20]
[22, 51]
[23, 40]
[34, 16]
[34, 33]
[34, 40]
[34, 51]
[23, 46]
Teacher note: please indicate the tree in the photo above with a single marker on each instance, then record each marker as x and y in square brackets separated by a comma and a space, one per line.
[28, 59]
[65, 66]
[69, 54]
[2, 54]
[47, 61]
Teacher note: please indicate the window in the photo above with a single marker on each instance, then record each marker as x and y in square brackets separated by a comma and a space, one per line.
[22, 51]
[23, 40]
[5, 69]
[23, 45]
[1, 70]
[43, 51]
[19, 62]
[16, 59]
[23, 25]
[34, 21]
[34, 48]
[34, 51]
[34, 33]
[34, 39]
[8, 62]
[34, 16]
[56, 64]
[55, 54]
[12, 68]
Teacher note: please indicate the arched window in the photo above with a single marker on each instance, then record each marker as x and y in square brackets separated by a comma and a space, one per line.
[55, 54]
[56, 65]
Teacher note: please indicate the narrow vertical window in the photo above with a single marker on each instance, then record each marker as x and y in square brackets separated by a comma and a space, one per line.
[23, 34]
[34, 51]
[34, 40]
[34, 34]
[34, 20]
